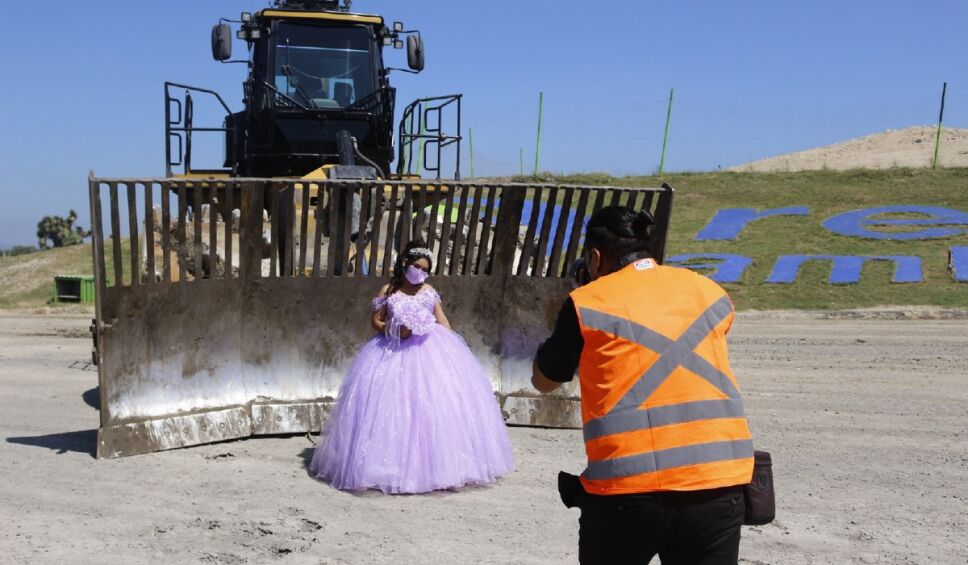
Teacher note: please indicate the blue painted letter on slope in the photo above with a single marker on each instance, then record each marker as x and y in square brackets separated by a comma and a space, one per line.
[728, 268]
[846, 268]
[728, 223]
[856, 222]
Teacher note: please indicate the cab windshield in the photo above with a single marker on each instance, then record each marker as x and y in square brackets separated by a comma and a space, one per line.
[323, 67]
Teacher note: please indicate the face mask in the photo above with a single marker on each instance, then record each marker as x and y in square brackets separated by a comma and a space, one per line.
[415, 276]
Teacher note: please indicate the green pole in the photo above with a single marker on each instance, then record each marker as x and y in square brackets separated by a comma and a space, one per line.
[665, 137]
[406, 156]
[420, 147]
[470, 135]
[537, 151]
[937, 141]
[521, 158]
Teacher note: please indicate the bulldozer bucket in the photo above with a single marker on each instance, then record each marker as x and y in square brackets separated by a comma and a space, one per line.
[232, 308]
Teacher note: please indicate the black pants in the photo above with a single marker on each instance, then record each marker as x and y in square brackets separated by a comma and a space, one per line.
[699, 527]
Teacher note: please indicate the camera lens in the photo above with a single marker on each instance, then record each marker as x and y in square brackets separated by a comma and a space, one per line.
[579, 271]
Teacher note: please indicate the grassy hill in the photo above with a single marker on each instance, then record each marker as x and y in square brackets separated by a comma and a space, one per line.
[826, 193]
[26, 281]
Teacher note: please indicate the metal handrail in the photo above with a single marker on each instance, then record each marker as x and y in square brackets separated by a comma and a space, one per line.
[181, 128]
[413, 122]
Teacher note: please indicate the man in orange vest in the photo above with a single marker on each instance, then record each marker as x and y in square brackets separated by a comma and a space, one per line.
[668, 446]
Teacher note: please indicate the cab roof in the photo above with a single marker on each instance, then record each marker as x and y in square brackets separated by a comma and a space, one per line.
[331, 16]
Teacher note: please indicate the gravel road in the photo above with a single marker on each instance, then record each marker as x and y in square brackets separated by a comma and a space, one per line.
[867, 421]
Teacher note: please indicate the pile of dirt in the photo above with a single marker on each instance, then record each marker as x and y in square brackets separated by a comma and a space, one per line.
[911, 147]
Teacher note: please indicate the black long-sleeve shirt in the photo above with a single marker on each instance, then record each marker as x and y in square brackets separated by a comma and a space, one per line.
[558, 356]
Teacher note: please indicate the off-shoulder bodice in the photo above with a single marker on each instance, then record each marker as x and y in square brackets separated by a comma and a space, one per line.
[415, 312]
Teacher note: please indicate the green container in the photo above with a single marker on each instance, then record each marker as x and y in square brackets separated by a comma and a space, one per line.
[74, 288]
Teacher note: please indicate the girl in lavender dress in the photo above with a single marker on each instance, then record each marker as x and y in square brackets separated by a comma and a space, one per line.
[416, 412]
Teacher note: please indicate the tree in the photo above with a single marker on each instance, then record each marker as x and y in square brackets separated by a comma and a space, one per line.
[55, 231]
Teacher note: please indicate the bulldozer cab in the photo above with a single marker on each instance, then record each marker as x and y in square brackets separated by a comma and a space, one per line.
[317, 93]
[327, 69]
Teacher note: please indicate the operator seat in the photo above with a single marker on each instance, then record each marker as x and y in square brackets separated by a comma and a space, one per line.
[343, 93]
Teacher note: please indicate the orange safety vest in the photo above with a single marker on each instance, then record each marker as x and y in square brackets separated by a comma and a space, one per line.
[660, 406]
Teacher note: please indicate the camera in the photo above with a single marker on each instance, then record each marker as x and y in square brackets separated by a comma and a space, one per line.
[579, 272]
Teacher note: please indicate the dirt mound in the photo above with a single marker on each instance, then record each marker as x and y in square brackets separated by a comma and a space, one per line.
[911, 147]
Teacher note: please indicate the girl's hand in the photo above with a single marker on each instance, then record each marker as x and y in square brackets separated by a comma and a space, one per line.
[404, 331]
[378, 319]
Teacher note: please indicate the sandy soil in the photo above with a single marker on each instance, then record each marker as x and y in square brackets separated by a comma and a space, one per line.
[867, 421]
[910, 147]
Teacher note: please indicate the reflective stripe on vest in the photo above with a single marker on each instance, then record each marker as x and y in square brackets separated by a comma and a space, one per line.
[628, 415]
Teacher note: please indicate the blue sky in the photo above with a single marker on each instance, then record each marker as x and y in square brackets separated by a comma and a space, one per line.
[753, 78]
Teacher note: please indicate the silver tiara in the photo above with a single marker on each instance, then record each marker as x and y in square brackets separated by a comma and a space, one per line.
[421, 252]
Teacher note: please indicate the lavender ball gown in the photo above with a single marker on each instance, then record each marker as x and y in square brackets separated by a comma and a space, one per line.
[413, 415]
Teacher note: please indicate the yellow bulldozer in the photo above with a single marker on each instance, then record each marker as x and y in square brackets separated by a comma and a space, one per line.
[229, 301]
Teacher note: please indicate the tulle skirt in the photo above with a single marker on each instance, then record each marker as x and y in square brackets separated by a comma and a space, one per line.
[414, 416]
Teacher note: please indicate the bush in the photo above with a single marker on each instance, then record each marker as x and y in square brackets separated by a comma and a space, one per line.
[18, 250]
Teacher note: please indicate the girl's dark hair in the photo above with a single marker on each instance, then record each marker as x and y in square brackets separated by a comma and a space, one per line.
[404, 259]
[618, 231]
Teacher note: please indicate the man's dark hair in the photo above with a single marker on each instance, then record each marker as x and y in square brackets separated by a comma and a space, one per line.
[619, 231]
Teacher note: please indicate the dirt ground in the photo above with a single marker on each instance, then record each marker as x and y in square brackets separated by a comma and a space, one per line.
[909, 147]
[867, 421]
